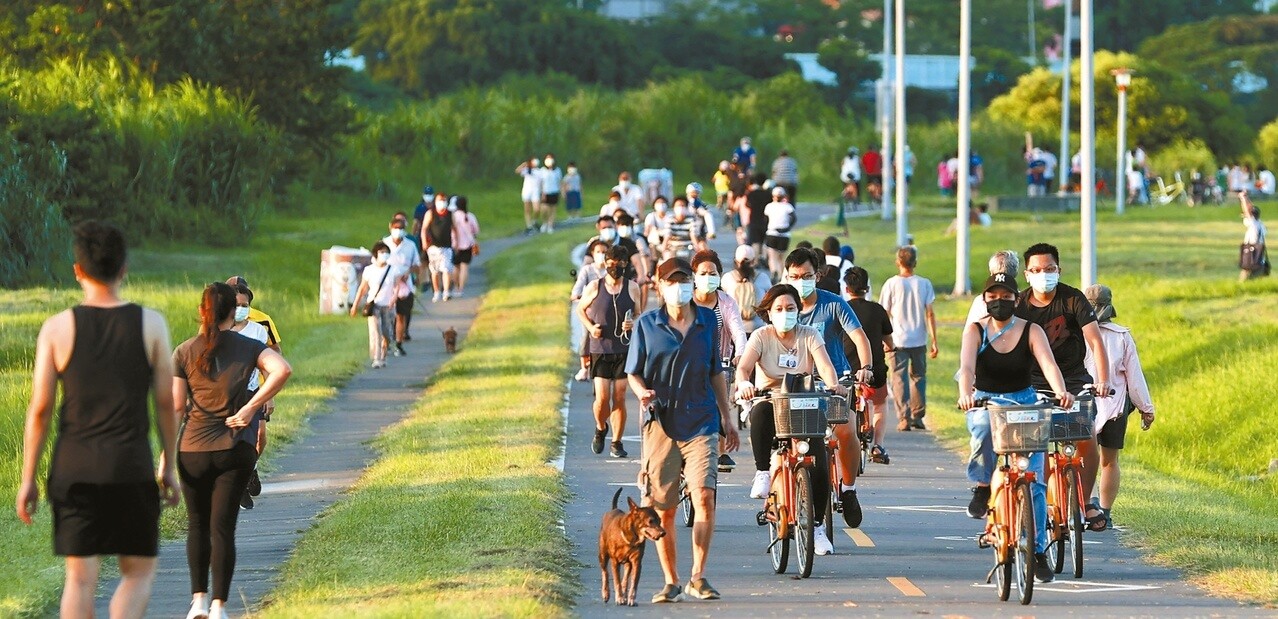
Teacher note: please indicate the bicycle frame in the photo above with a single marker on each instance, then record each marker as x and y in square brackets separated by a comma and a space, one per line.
[785, 462]
[1055, 466]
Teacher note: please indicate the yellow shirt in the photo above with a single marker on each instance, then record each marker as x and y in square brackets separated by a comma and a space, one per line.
[260, 317]
[721, 182]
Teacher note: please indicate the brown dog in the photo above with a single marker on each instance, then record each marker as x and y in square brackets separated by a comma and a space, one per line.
[450, 340]
[622, 539]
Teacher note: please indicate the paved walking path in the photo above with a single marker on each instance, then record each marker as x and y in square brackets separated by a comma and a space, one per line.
[312, 474]
[915, 553]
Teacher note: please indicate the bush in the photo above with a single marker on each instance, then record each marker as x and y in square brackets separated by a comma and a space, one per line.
[31, 224]
[1183, 156]
[1267, 145]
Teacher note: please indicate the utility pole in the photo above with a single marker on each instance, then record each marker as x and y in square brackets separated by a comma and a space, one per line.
[1066, 104]
[1087, 114]
[886, 112]
[902, 227]
[963, 188]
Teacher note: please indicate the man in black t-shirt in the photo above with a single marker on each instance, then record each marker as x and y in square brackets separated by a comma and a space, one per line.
[1070, 323]
[877, 326]
[757, 200]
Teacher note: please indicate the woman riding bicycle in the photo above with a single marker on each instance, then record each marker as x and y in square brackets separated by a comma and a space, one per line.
[783, 347]
[997, 354]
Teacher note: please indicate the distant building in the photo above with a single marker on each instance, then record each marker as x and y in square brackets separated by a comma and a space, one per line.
[929, 72]
[634, 9]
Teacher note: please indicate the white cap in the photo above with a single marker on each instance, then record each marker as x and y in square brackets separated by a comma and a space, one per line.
[744, 252]
[778, 192]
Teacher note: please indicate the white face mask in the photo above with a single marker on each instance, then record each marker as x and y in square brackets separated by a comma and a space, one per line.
[677, 294]
[241, 313]
[599, 258]
[397, 233]
[550, 163]
[624, 231]
[624, 184]
[381, 257]
[1043, 283]
[680, 212]
[441, 205]
[784, 321]
[608, 234]
[427, 198]
[572, 171]
[707, 283]
[661, 207]
[805, 286]
[613, 202]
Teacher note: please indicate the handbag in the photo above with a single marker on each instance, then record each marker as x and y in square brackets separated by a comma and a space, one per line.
[370, 308]
[1253, 257]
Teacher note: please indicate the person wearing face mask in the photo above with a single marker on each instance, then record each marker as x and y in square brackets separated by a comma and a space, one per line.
[684, 230]
[1003, 261]
[607, 227]
[626, 232]
[783, 347]
[610, 208]
[1072, 331]
[745, 155]
[419, 215]
[908, 299]
[378, 283]
[877, 326]
[440, 239]
[753, 214]
[552, 179]
[747, 285]
[706, 269]
[273, 341]
[592, 269]
[701, 209]
[630, 196]
[674, 368]
[466, 226]
[530, 193]
[722, 187]
[833, 318]
[781, 218]
[572, 189]
[656, 224]
[606, 312]
[996, 359]
[253, 330]
[1131, 393]
[405, 256]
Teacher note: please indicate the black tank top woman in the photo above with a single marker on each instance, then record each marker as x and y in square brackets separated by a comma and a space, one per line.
[608, 310]
[1009, 372]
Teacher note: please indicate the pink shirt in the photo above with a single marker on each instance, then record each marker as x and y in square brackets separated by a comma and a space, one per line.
[465, 228]
[1125, 374]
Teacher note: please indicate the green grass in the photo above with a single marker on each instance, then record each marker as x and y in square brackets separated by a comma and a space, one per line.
[1194, 493]
[282, 264]
[457, 516]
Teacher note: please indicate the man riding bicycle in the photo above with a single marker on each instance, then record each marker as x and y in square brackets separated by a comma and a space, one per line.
[683, 230]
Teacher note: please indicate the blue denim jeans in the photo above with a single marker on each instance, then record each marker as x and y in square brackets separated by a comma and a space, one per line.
[980, 465]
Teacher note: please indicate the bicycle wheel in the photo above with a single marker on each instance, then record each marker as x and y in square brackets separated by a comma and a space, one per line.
[1056, 531]
[1075, 522]
[686, 507]
[1002, 578]
[829, 517]
[804, 521]
[779, 549]
[865, 458]
[1023, 538]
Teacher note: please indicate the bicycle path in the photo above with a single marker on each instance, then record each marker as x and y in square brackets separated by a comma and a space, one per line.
[313, 473]
[914, 554]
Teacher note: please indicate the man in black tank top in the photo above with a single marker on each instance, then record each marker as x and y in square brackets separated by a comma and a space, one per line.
[607, 310]
[102, 482]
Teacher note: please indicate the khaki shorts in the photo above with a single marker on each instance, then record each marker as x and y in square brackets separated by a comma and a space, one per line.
[664, 457]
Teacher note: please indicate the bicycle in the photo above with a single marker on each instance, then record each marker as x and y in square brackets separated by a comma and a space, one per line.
[1166, 194]
[789, 511]
[837, 415]
[1017, 432]
[1062, 466]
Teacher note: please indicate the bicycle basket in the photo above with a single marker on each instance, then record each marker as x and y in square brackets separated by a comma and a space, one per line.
[1075, 424]
[802, 414]
[1020, 429]
[839, 411]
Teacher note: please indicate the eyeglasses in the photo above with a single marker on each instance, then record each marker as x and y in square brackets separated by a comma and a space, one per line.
[1052, 269]
[806, 277]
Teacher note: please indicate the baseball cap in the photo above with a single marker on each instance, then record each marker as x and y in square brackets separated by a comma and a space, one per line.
[778, 192]
[744, 252]
[1102, 300]
[428, 190]
[670, 266]
[235, 281]
[1006, 281]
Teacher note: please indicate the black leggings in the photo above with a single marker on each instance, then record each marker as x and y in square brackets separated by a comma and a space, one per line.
[212, 484]
[763, 435]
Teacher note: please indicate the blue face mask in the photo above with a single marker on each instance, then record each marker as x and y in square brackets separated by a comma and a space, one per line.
[241, 313]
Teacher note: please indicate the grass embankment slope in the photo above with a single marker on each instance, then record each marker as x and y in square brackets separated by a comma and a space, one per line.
[282, 264]
[458, 515]
[1195, 494]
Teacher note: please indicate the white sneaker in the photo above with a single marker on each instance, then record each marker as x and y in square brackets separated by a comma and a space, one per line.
[435, 299]
[762, 484]
[821, 543]
[198, 610]
[446, 296]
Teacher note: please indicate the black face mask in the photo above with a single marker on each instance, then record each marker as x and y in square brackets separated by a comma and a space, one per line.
[617, 271]
[1001, 309]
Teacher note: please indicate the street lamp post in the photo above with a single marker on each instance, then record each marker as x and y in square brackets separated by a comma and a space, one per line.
[963, 187]
[886, 114]
[902, 226]
[1087, 120]
[1122, 77]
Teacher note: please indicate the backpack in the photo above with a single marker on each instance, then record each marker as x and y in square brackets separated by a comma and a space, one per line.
[744, 295]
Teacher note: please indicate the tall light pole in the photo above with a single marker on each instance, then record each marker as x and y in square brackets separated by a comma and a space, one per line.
[1122, 77]
[902, 228]
[963, 250]
[1087, 116]
[886, 112]
[1063, 176]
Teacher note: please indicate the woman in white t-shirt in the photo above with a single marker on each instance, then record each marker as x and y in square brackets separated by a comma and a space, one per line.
[378, 282]
[783, 347]
[531, 192]
[780, 216]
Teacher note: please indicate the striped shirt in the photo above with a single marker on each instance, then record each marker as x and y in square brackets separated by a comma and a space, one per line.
[785, 171]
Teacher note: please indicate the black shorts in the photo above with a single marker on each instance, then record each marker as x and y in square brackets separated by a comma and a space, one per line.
[779, 243]
[105, 519]
[754, 237]
[1114, 433]
[404, 306]
[463, 256]
[550, 198]
[611, 366]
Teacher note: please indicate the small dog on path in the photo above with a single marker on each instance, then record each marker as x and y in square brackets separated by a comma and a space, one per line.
[622, 539]
[450, 340]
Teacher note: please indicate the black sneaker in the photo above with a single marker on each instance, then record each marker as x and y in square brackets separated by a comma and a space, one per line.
[617, 450]
[917, 424]
[597, 444]
[980, 504]
[1043, 571]
[255, 484]
[246, 501]
[726, 463]
[399, 348]
[851, 508]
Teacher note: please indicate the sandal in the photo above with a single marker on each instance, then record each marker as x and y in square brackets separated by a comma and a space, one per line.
[879, 454]
[1096, 523]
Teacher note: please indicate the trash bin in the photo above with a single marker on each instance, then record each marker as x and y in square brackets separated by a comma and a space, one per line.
[656, 182]
[340, 271]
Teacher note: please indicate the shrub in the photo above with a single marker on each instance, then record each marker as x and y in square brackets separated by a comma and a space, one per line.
[34, 231]
[1183, 156]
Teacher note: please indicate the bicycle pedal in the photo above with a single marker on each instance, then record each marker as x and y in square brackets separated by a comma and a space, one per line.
[989, 578]
[726, 469]
[982, 542]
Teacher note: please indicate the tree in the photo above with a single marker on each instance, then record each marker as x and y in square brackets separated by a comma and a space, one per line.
[1163, 106]
[995, 73]
[1125, 24]
[850, 63]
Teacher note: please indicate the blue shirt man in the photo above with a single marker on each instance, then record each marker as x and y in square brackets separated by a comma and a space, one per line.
[745, 154]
